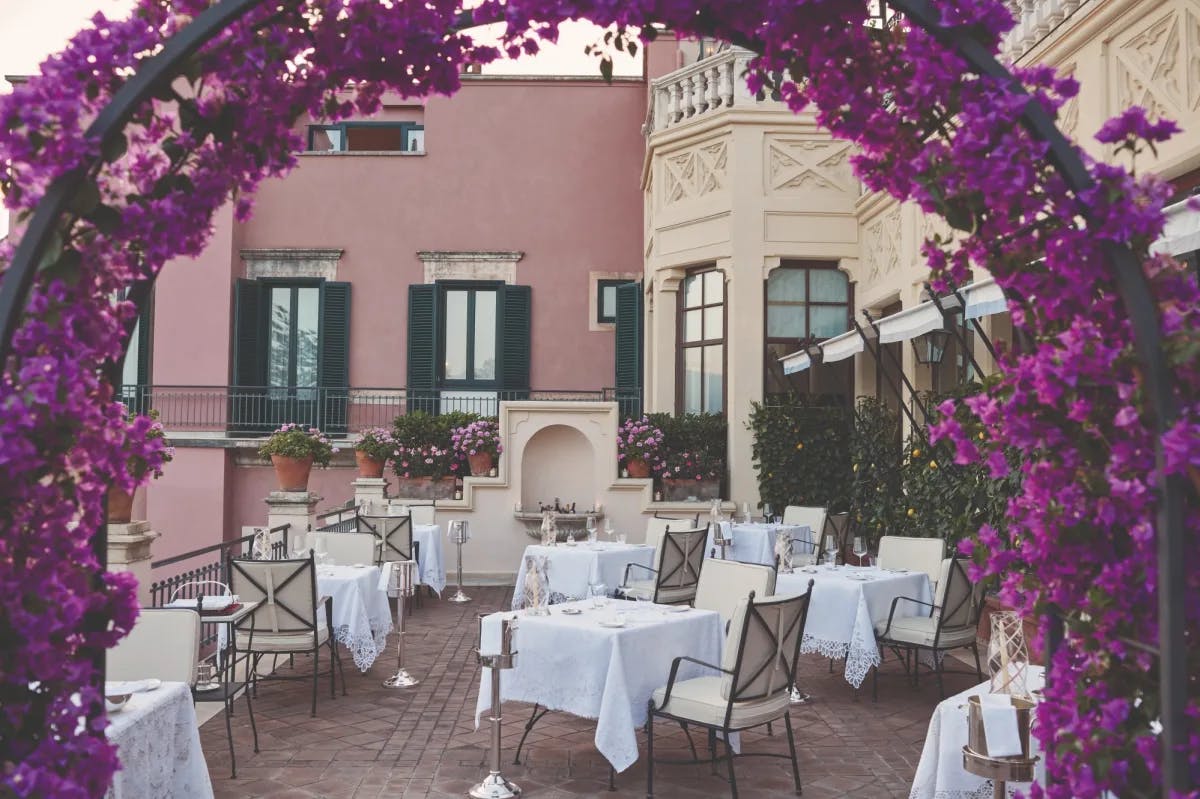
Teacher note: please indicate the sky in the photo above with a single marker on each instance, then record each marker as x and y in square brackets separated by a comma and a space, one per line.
[30, 30]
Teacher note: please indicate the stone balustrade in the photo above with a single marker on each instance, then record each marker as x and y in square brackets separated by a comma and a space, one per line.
[1036, 19]
[706, 87]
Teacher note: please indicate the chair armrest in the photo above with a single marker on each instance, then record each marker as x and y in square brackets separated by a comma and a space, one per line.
[628, 566]
[675, 672]
[892, 611]
[327, 601]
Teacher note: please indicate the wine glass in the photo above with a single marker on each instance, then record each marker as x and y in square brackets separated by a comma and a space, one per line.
[831, 549]
[767, 512]
[298, 546]
[608, 529]
[860, 548]
[599, 594]
[319, 550]
[590, 525]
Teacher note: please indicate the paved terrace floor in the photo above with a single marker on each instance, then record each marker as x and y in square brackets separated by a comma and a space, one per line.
[422, 743]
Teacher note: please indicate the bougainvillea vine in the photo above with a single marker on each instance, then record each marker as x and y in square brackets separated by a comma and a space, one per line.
[1079, 539]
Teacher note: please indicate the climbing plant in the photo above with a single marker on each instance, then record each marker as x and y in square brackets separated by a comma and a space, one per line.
[1080, 537]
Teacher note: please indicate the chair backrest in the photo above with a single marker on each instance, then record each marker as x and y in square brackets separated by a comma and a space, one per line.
[915, 554]
[762, 647]
[656, 526]
[840, 527]
[346, 549]
[285, 589]
[164, 643]
[959, 599]
[680, 557]
[423, 514]
[814, 518]
[394, 531]
[724, 582]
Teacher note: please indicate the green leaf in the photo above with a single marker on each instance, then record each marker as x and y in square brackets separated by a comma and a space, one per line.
[606, 69]
[65, 268]
[54, 248]
[105, 218]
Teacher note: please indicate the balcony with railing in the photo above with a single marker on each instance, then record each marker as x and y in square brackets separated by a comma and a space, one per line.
[710, 86]
[1036, 21]
[257, 410]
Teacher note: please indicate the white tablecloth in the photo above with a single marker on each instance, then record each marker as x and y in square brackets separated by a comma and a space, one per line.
[158, 744]
[571, 569]
[572, 664]
[940, 774]
[843, 611]
[362, 617]
[429, 557]
[755, 542]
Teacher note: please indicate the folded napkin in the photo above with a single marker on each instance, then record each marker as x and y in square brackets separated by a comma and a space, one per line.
[1000, 725]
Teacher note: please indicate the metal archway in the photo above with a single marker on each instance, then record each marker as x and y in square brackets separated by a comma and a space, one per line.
[1132, 285]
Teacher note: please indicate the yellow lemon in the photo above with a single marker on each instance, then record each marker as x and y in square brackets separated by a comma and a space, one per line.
[916, 453]
[933, 464]
[855, 468]
[799, 445]
[981, 435]
[912, 512]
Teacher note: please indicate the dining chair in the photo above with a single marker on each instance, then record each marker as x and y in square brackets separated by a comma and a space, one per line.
[757, 671]
[811, 517]
[289, 619]
[914, 554]
[951, 622]
[723, 583]
[678, 561]
[346, 549]
[395, 536]
[657, 525]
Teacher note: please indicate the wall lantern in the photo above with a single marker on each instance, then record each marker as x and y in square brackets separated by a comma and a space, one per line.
[931, 347]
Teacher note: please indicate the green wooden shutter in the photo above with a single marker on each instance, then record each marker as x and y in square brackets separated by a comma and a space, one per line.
[515, 318]
[247, 398]
[422, 347]
[629, 349]
[333, 359]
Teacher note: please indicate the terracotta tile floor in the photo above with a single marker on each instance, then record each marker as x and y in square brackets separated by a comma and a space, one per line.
[422, 742]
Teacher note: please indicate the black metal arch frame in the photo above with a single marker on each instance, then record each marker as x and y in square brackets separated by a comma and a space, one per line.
[1132, 284]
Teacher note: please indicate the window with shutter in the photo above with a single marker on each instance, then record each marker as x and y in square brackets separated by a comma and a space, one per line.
[333, 362]
[135, 368]
[628, 316]
[516, 318]
[422, 348]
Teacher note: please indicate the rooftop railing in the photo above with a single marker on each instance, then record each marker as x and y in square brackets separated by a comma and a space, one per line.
[257, 410]
[1036, 20]
[710, 85]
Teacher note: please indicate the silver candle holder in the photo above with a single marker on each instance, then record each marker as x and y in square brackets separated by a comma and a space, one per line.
[494, 785]
[402, 583]
[459, 533]
[783, 550]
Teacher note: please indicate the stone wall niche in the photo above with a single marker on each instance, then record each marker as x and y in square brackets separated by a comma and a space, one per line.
[559, 461]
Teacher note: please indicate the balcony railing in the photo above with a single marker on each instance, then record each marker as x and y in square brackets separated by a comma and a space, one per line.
[702, 89]
[257, 410]
[1036, 20]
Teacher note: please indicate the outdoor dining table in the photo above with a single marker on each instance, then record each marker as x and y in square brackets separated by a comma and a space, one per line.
[158, 744]
[575, 665]
[940, 772]
[847, 602]
[362, 617]
[754, 542]
[430, 561]
[572, 568]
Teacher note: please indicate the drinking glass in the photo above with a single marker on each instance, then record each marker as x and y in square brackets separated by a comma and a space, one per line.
[298, 546]
[599, 594]
[860, 548]
[608, 529]
[831, 549]
[590, 525]
[620, 538]
[767, 512]
[319, 550]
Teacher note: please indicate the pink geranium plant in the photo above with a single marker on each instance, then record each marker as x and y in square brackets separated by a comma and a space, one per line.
[639, 439]
[477, 438]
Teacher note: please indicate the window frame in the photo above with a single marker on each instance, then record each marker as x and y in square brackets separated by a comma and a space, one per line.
[682, 346]
[344, 128]
[808, 267]
[264, 340]
[472, 286]
[601, 285]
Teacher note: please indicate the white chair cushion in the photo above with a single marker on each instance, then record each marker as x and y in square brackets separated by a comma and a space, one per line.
[639, 588]
[265, 641]
[724, 582]
[920, 630]
[915, 554]
[700, 700]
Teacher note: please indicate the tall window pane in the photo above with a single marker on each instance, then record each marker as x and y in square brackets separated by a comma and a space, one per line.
[279, 342]
[129, 367]
[485, 335]
[828, 285]
[701, 342]
[456, 335]
[308, 304]
[693, 378]
[807, 302]
[714, 378]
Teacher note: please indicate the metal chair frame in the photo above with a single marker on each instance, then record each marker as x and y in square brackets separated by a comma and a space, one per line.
[306, 623]
[912, 650]
[736, 694]
[691, 561]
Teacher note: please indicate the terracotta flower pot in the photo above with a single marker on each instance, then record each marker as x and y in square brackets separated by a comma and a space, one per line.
[481, 463]
[120, 505]
[368, 466]
[637, 467]
[292, 473]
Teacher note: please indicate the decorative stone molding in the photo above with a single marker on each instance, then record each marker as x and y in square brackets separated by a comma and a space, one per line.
[292, 262]
[297, 508]
[471, 265]
[1156, 64]
[694, 172]
[129, 551]
[881, 244]
[797, 165]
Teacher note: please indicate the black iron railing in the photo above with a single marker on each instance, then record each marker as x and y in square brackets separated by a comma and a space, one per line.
[341, 519]
[257, 410]
[190, 583]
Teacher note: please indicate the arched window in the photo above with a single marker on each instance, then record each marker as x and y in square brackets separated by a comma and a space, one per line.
[806, 302]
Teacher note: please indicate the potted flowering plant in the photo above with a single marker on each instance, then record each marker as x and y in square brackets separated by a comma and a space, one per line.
[120, 501]
[426, 471]
[374, 446]
[639, 443]
[691, 475]
[293, 449]
[478, 443]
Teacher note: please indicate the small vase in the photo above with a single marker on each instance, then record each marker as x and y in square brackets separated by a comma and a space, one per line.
[292, 473]
[368, 466]
[481, 463]
[120, 505]
[637, 467]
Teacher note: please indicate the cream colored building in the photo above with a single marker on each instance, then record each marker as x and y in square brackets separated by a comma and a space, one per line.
[739, 187]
